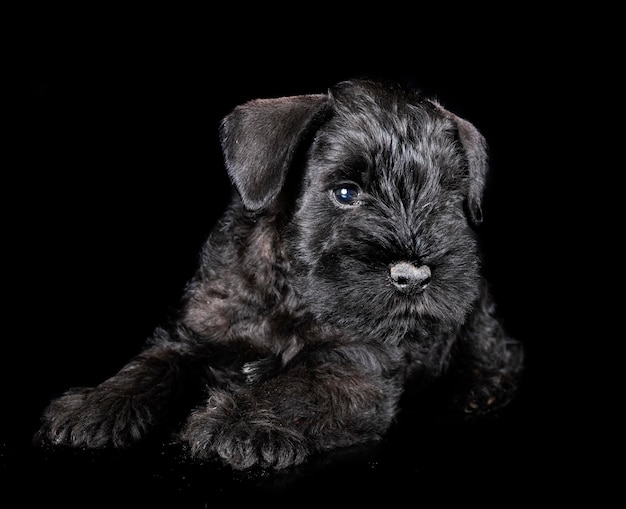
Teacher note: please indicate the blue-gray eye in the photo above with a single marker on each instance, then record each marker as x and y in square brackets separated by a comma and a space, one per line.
[347, 194]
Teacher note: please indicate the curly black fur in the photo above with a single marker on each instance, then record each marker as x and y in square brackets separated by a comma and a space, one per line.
[345, 270]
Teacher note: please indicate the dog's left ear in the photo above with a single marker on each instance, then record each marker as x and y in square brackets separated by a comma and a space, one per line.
[476, 151]
[259, 140]
[475, 148]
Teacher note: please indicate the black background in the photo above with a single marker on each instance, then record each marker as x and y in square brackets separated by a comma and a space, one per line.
[114, 179]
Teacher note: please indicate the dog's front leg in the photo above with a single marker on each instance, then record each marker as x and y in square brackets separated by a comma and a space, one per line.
[489, 363]
[321, 400]
[131, 404]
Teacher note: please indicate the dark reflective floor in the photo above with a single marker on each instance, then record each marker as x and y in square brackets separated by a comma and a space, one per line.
[520, 452]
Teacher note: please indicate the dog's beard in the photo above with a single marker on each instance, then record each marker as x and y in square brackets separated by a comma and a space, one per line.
[361, 299]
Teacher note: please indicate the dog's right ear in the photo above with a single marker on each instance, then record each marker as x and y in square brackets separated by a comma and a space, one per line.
[259, 139]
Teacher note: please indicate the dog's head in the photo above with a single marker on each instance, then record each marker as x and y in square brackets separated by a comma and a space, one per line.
[388, 185]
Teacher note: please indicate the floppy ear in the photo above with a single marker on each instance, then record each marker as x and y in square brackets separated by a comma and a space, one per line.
[476, 151]
[475, 148]
[259, 139]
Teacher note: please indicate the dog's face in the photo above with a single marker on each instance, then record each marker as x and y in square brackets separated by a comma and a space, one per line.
[380, 236]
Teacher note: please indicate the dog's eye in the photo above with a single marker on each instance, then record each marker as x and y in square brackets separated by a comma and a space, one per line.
[347, 194]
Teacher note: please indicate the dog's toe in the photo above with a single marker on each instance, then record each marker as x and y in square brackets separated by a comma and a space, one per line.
[266, 449]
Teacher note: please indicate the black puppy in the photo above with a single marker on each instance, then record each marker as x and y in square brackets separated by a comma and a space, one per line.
[345, 269]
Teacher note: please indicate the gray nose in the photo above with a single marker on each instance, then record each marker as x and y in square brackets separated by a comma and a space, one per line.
[407, 277]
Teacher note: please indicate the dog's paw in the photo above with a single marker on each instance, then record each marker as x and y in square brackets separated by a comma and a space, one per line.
[260, 370]
[493, 392]
[243, 438]
[92, 418]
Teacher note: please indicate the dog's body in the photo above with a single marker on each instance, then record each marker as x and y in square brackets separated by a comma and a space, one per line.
[344, 270]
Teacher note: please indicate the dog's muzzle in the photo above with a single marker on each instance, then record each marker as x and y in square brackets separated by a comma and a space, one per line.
[406, 277]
